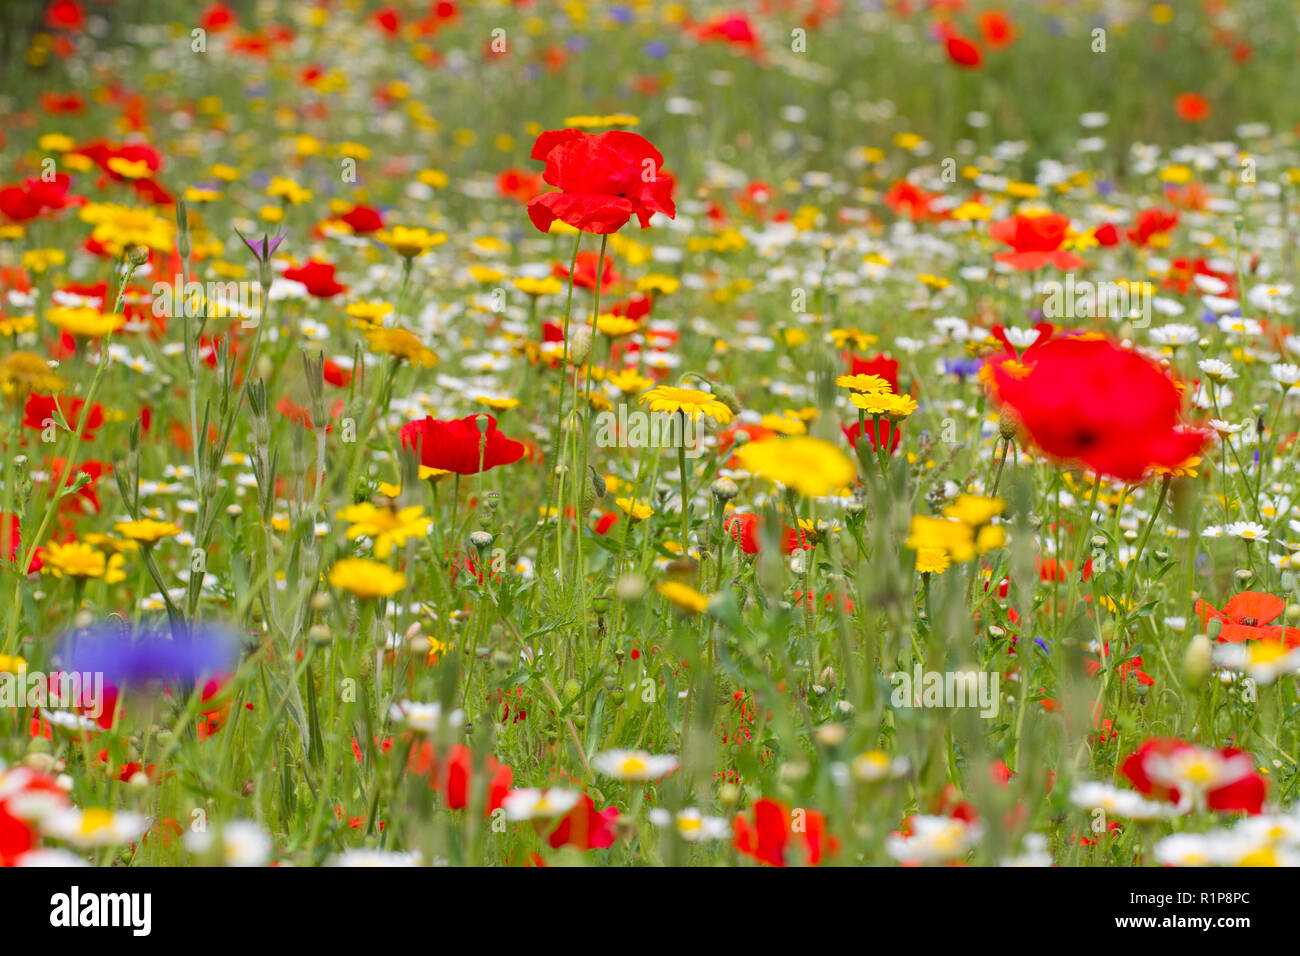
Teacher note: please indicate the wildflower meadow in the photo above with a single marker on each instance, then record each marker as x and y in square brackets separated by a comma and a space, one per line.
[808, 433]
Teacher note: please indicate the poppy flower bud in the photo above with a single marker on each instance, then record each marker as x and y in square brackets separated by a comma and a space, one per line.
[572, 688]
[630, 588]
[726, 396]
[1196, 662]
[724, 489]
[1293, 613]
[830, 735]
[593, 488]
[1288, 581]
[1213, 628]
[1007, 425]
[579, 344]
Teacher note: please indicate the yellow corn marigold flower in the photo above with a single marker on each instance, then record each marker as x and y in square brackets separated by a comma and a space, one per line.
[883, 403]
[784, 425]
[21, 372]
[17, 325]
[85, 321]
[852, 338]
[409, 243]
[12, 665]
[809, 466]
[401, 344]
[80, 560]
[119, 227]
[864, 383]
[659, 283]
[634, 510]
[147, 530]
[616, 326]
[1185, 470]
[689, 401]
[975, 510]
[932, 561]
[365, 578]
[539, 287]
[954, 538]
[629, 381]
[368, 315]
[385, 527]
[683, 597]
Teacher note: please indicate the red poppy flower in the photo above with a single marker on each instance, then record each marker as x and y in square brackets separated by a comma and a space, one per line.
[882, 365]
[584, 271]
[459, 446]
[318, 277]
[997, 29]
[38, 413]
[364, 220]
[768, 838]
[743, 529]
[964, 52]
[1246, 617]
[1088, 400]
[907, 199]
[65, 15]
[1035, 242]
[453, 776]
[518, 185]
[604, 179]
[217, 18]
[1191, 107]
[1106, 235]
[1245, 794]
[37, 196]
[878, 433]
[1150, 223]
[734, 29]
[585, 827]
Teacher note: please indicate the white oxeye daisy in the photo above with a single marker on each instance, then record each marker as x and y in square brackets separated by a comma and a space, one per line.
[1216, 370]
[874, 765]
[1119, 803]
[425, 718]
[1194, 771]
[692, 825]
[1248, 531]
[1285, 374]
[633, 764]
[1262, 661]
[1035, 853]
[1175, 334]
[934, 840]
[1236, 324]
[532, 804]
[1224, 428]
[1189, 849]
[94, 826]
[242, 843]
